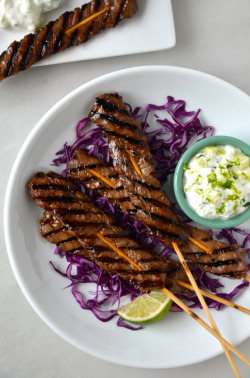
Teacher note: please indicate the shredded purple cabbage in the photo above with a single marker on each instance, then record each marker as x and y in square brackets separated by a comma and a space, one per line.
[179, 128]
[109, 289]
[168, 138]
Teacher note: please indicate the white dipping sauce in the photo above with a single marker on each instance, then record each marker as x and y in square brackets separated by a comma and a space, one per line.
[25, 13]
[217, 182]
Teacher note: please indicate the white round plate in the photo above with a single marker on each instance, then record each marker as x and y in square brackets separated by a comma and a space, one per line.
[177, 340]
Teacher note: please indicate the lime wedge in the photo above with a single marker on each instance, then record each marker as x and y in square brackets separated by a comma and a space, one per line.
[146, 309]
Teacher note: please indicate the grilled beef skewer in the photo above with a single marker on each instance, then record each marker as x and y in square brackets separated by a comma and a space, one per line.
[226, 261]
[52, 38]
[73, 211]
[53, 230]
[127, 139]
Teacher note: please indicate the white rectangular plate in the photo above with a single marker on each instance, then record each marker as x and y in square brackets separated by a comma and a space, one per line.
[151, 29]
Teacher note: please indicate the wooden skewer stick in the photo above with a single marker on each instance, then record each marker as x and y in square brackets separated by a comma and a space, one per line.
[101, 177]
[216, 298]
[90, 18]
[137, 169]
[204, 305]
[205, 325]
[182, 306]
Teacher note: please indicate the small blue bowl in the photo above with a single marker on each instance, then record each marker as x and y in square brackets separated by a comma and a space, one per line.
[178, 182]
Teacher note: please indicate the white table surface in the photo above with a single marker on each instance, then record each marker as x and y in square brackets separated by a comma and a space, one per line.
[212, 36]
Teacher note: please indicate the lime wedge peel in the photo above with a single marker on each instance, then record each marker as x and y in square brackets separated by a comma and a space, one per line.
[146, 309]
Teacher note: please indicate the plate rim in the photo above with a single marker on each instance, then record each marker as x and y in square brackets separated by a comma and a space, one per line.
[39, 125]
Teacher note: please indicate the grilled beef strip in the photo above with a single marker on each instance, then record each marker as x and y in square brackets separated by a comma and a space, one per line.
[226, 260]
[83, 219]
[52, 38]
[124, 134]
[54, 231]
[126, 138]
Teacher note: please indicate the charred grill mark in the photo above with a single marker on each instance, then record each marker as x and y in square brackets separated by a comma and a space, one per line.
[108, 107]
[217, 264]
[115, 95]
[216, 252]
[134, 274]
[131, 212]
[158, 231]
[73, 38]
[156, 202]
[119, 188]
[45, 40]
[97, 5]
[128, 139]
[97, 248]
[75, 33]
[110, 260]
[106, 19]
[89, 179]
[106, 190]
[133, 248]
[43, 222]
[26, 55]
[83, 8]
[81, 224]
[114, 176]
[66, 240]
[146, 283]
[147, 186]
[74, 212]
[90, 237]
[151, 259]
[112, 119]
[10, 65]
[50, 199]
[223, 250]
[124, 199]
[198, 255]
[154, 271]
[116, 236]
[93, 166]
[164, 219]
[90, 166]
[63, 188]
[87, 35]
[174, 270]
[54, 232]
[60, 34]
[120, 12]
